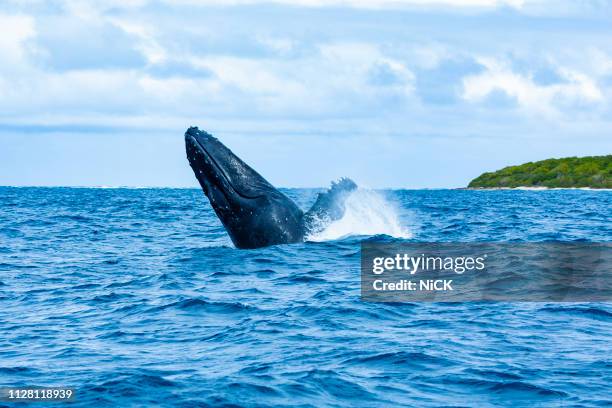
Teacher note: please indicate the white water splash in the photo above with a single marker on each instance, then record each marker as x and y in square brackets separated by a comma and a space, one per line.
[367, 213]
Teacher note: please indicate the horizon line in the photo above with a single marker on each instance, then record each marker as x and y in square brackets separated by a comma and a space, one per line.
[144, 187]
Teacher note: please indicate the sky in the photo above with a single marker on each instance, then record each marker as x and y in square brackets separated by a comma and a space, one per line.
[394, 94]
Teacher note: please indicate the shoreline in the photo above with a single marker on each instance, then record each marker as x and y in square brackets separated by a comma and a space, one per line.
[536, 188]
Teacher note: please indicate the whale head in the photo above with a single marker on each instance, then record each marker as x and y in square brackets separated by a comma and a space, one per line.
[254, 213]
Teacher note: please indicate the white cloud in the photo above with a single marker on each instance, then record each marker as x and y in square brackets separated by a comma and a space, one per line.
[599, 62]
[16, 30]
[431, 55]
[15, 48]
[576, 88]
[336, 80]
[147, 43]
[93, 8]
[368, 4]
[222, 69]
[280, 45]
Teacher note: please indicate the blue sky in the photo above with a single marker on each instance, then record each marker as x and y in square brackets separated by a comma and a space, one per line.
[409, 93]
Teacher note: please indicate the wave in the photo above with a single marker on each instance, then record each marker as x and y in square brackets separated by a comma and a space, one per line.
[367, 212]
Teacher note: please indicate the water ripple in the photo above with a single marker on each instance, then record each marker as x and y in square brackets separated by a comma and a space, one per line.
[138, 298]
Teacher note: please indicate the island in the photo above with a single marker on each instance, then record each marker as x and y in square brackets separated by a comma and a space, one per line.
[569, 172]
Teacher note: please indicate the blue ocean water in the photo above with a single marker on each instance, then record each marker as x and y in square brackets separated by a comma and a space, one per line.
[136, 297]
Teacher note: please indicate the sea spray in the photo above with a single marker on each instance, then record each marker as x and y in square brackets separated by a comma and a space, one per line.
[367, 213]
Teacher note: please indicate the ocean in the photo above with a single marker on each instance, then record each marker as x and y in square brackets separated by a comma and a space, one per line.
[136, 297]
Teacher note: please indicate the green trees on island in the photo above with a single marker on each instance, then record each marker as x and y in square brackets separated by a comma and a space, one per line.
[592, 171]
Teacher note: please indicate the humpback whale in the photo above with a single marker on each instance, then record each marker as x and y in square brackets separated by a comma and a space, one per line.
[253, 212]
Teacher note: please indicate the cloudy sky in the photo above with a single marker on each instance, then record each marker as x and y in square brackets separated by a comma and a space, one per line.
[409, 93]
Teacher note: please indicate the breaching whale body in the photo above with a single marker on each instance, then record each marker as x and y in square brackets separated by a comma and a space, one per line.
[253, 212]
